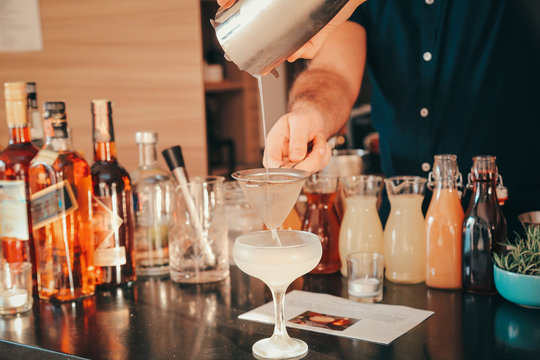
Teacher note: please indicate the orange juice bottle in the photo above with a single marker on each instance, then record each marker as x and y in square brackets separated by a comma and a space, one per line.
[444, 221]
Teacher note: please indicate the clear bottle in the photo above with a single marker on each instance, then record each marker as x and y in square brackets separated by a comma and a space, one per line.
[113, 211]
[444, 220]
[36, 124]
[15, 216]
[61, 188]
[484, 226]
[153, 195]
[405, 231]
[361, 228]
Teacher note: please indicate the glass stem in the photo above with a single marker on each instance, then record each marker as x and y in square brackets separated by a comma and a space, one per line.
[279, 309]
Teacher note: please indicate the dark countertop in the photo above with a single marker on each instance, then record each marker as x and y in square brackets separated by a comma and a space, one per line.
[158, 319]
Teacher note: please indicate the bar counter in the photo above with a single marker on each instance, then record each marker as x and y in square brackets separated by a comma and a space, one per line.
[158, 319]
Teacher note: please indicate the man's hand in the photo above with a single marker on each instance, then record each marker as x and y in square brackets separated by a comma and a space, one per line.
[225, 3]
[287, 142]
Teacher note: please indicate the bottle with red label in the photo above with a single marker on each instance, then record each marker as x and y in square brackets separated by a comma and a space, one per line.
[484, 226]
[112, 205]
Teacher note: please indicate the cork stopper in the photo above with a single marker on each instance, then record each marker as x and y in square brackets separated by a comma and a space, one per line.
[16, 112]
[102, 115]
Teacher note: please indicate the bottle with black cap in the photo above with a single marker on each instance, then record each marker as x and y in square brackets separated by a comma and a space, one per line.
[61, 194]
[36, 125]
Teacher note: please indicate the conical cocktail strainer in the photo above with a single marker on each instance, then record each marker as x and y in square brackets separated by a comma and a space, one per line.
[271, 193]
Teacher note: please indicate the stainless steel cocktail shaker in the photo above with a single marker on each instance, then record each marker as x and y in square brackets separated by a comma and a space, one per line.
[257, 35]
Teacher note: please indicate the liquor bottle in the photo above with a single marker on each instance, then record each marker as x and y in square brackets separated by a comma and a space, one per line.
[444, 220]
[153, 196]
[484, 227]
[36, 125]
[15, 217]
[113, 211]
[61, 188]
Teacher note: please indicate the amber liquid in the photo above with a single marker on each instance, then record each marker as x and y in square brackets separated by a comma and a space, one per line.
[484, 227]
[321, 219]
[65, 246]
[111, 183]
[14, 163]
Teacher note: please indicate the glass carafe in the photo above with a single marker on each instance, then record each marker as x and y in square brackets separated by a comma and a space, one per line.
[361, 228]
[321, 219]
[484, 226]
[444, 220]
[405, 231]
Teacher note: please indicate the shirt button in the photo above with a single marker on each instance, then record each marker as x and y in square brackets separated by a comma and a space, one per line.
[429, 2]
[427, 56]
[424, 112]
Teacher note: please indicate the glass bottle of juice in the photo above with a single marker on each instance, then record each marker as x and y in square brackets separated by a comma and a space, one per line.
[153, 197]
[321, 219]
[405, 231]
[112, 205]
[61, 187]
[444, 220]
[361, 228]
[483, 227]
[15, 216]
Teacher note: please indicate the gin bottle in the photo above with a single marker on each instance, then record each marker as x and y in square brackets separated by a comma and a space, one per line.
[153, 195]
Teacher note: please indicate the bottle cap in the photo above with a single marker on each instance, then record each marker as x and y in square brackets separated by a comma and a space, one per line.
[54, 110]
[146, 137]
[173, 157]
[16, 111]
[102, 124]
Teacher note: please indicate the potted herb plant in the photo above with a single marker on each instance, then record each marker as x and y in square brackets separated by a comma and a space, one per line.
[517, 272]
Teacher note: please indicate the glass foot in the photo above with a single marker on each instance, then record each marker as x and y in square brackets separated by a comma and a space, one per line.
[280, 348]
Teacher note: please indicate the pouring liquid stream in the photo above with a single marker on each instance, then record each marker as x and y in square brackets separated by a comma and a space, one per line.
[263, 118]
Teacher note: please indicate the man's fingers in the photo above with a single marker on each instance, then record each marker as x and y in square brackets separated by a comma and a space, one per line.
[299, 137]
[225, 3]
[277, 144]
[319, 156]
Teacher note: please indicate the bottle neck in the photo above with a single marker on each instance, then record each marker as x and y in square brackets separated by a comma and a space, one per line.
[147, 155]
[19, 134]
[105, 151]
[59, 139]
[485, 190]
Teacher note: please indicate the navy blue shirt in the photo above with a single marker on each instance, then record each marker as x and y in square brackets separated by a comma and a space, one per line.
[457, 77]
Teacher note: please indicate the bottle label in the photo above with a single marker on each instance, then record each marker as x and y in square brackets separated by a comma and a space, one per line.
[13, 215]
[106, 223]
[52, 203]
[44, 156]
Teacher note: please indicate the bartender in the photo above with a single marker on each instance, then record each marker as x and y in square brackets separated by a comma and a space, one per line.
[449, 77]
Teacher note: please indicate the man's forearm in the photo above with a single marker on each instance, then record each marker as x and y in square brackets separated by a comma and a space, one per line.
[327, 92]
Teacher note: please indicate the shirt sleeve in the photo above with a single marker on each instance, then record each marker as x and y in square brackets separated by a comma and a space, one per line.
[361, 15]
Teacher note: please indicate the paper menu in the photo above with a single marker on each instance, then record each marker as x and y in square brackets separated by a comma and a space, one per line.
[328, 314]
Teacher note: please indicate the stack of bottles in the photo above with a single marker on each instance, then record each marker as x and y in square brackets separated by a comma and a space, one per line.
[81, 227]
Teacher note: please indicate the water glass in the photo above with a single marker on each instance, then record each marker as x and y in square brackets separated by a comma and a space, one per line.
[15, 288]
[198, 245]
[365, 276]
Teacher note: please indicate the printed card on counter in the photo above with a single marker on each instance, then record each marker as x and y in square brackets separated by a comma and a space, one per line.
[328, 314]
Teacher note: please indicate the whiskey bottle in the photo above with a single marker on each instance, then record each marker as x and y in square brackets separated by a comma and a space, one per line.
[34, 117]
[113, 211]
[153, 197]
[15, 221]
[61, 198]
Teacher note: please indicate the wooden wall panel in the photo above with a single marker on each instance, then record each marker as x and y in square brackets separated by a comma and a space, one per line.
[143, 55]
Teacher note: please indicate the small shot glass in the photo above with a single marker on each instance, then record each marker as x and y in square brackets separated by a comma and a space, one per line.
[15, 288]
[365, 276]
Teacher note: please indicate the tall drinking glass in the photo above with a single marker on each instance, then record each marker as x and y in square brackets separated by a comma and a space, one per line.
[278, 265]
[405, 231]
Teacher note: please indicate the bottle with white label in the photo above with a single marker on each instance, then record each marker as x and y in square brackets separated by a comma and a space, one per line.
[15, 220]
[113, 210]
[61, 198]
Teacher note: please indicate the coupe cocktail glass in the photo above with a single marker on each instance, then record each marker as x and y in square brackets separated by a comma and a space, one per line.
[278, 265]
